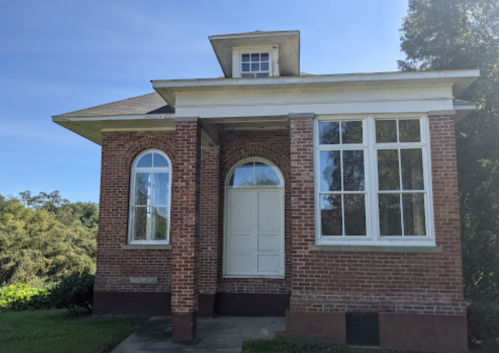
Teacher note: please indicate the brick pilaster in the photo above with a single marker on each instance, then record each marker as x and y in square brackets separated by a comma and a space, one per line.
[185, 230]
[208, 236]
[302, 197]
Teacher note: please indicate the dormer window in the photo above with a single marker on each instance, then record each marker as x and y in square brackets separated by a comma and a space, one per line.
[255, 65]
[255, 62]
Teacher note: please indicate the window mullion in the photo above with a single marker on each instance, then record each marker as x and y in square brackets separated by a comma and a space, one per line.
[131, 224]
[400, 188]
[150, 208]
[342, 190]
[373, 175]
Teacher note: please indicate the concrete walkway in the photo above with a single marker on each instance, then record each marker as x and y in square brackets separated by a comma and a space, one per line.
[223, 334]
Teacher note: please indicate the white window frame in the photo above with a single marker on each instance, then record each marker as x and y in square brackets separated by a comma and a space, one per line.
[225, 271]
[373, 237]
[131, 218]
[237, 53]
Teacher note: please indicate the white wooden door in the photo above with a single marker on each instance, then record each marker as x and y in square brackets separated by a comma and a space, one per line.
[254, 233]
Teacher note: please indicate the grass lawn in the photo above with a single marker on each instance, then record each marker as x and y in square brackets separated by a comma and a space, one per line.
[265, 346]
[56, 331]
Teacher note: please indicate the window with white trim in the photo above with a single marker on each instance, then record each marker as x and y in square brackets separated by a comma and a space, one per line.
[255, 65]
[150, 198]
[255, 62]
[372, 181]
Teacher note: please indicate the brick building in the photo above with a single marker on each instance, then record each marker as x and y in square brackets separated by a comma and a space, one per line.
[331, 199]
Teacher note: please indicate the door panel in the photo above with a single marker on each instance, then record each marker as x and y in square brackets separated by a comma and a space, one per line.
[269, 211]
[240, 243]
[241, 263]
[254, 236]
[268, 263]
[241, 210]
[269, 242]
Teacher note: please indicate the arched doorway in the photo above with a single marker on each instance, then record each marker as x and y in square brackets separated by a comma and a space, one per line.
[254, 220]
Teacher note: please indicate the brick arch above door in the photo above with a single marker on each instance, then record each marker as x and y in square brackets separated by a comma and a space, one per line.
[231, 157]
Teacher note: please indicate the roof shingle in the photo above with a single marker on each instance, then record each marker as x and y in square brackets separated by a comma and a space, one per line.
[151, 103]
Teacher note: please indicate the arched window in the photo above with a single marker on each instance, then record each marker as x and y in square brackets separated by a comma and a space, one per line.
[150, 196]
[255, 173]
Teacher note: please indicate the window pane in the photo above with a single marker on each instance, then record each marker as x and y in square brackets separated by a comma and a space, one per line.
[351, 132]
[388, 170]
[159, 161]
[255, 57]
[243, 176]
[263, 75]
[142, 188]
[389, 214]
[145, 161]
[265, 175]
[246, 67]
[331, 220]
[353, 170]
[330, 171]
[409, 130]
[386, 131]
[329, 133]
[355, 214]
[264, 57]
[140, 223]
[160, 189]
[255, 67]
[414, 219]
[246, 58]
[248, 75]
[159, 218]
[265, 66]
[412, 169]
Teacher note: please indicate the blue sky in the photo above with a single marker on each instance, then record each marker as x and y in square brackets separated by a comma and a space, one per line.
[60, 56]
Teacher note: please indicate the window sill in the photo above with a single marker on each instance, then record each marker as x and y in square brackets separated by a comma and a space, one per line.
[371, 248]
[255, 276]
[146, 247]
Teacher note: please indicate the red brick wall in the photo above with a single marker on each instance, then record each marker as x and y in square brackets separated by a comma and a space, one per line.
[185, 218]
[114, 264]
[208, 236]
[320, 281]
[273, 146]
[384, 282]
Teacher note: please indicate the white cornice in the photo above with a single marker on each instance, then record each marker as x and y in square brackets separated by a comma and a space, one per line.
[254, 35]
[57, 118]
[460, 79]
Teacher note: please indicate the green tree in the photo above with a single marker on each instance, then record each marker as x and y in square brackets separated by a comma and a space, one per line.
[45, 237]
[464, 34]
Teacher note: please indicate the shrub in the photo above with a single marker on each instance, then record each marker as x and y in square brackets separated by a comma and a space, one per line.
[74, 292]
[483, 325]
[17, 297]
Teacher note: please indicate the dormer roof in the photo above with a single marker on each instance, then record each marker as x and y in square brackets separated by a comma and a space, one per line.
[288, 43]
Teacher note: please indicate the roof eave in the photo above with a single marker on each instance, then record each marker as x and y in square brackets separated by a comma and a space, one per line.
[462, 110]
[91, 128]
[460, 79]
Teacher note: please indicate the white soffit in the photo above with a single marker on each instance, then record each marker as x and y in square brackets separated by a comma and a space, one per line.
[287, 41]
[92, 127]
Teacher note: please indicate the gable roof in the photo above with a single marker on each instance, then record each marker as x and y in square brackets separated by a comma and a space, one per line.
[150, 103]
